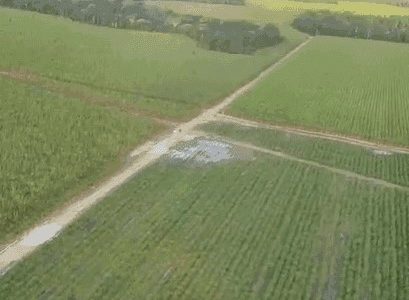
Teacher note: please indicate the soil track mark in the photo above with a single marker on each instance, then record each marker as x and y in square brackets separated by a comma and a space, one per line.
[318, 165]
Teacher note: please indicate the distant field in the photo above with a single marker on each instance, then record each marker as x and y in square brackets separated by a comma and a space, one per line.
[254, 14]
[250, 229]
[52, 148]
[346, 86]
[363, 8]
[391, 167]
[163, 74]
[225, 12]
[389, 2]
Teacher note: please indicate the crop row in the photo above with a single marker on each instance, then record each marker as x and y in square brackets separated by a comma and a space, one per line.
[51, 148]
[260, 229]
[362, 93]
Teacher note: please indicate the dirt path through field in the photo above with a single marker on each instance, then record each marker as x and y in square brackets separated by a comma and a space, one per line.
[146, 154]
[313, 134]
[346, 173]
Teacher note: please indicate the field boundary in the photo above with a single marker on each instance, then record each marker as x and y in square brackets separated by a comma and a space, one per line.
[52, 85]
[26, 76]
[313, 134]
[145, 154]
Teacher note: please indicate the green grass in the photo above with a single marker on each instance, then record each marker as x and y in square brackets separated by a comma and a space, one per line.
[259, 229]
[53, 147]
[362, 8]
[164, 74]
[347, 86]
[393, 168]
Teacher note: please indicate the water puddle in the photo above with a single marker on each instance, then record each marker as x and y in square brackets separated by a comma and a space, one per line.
[160, 148]
[207, 151]
[382, 152]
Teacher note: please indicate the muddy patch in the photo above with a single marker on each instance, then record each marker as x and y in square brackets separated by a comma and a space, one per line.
[160, 148]
[209, 151]
[41, 234]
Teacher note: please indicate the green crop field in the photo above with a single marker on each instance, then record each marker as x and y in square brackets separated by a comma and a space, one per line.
[52, 147]
[260, 228]
[162, 74]
[241, 212]
[346, 86]
[363, 8]
[74, 144]
[388, 166]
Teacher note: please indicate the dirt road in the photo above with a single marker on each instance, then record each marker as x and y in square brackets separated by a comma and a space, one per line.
[146, 154]
[313, 134]
[346, 173]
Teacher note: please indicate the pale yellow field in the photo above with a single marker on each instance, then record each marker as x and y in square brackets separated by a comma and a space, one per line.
[252, 13]
[363, 8]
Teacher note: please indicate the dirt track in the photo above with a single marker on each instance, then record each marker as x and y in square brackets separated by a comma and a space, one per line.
[320, 166]
[146, 154]
[313, 134]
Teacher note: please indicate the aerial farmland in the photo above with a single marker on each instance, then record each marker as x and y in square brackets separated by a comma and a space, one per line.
[204, 149]
[363, 92]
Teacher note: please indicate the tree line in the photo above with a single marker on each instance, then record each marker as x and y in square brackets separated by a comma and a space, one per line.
[393, 28]
[229, 36]
[402, 3]
[212, 34]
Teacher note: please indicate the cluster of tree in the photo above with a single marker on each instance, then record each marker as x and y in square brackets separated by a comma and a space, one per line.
[113, 13]
[394, 29]
[230, 2]
[229, 36]
[402, 3]
[232, 37]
